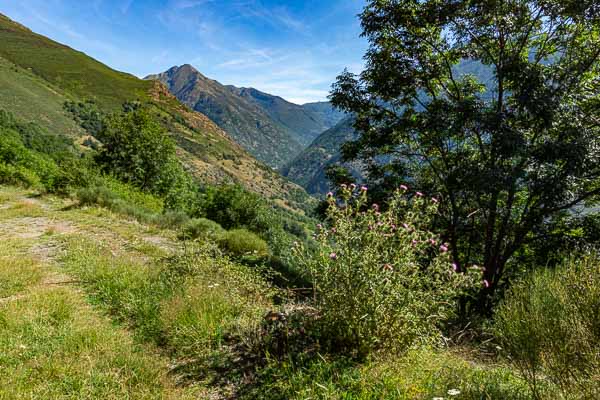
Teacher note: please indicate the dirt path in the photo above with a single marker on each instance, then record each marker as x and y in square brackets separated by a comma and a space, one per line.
[33, 232]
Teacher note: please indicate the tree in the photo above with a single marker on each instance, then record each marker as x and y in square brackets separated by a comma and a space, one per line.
[506, 154]
[138, 150]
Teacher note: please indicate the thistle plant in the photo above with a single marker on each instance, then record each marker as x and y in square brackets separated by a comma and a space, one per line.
[382, 278]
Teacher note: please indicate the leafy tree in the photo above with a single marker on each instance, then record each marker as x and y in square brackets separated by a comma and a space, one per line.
[506, 154]
[138, 150]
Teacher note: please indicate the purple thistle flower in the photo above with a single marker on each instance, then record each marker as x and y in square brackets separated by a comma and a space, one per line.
[330, 194]
[432, 241]
[353, 186]
[405, 225]
[455, 267]
[419, 194]
[404, 187]
[486, 283]
[375, 207]
[434, 200]
[443, 248]
[333, 256]
[363, 188]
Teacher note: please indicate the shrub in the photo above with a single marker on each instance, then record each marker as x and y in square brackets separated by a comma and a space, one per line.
[550, 324]
[16, 175]
[241, 242]
[138, 150]
[201, 228]
[382, 279]
[233, 207]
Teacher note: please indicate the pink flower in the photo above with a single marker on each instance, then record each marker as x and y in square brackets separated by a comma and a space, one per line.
[375, 207]
[330, 194]
[388, 267]
[333, 256]
[486, 283]
[319, 226]
[404, 187]
[405, 225]
[343, 186]
[443, 248]
[434, 200]
[415, 242]
[419, 194]
[333, 230]
[455, 267]
[432, 241]
[363, 188]
[353, 186]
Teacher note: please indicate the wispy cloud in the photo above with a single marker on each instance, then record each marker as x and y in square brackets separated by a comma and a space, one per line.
[125, 6]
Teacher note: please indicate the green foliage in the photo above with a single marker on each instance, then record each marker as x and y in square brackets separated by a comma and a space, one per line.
[138, 150]
[383, 279]
[233, 207]
[201, 228]
[18, 176]
[241, 242]
[506, 154]
[87, 115]
[549, 326]
[421, 374]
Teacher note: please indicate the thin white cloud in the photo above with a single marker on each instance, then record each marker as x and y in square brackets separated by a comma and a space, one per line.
[125, 6]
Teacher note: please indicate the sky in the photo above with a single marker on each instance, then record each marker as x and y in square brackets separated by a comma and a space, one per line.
[290, 48]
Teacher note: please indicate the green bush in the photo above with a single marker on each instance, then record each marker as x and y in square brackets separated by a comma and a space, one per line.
[201, 228]
[18, 176]
[138, 150]
[549, 325]
[241, 242]
[382, 279]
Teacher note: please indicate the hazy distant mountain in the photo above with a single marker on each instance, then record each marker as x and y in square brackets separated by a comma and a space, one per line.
[304, 122]
[308, 169]
[271, 128]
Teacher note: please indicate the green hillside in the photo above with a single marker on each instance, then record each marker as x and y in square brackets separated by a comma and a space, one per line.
[38, 75]
[70, 70]
[34, 99]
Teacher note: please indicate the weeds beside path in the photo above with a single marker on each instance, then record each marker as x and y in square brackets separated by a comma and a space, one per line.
[53, 343]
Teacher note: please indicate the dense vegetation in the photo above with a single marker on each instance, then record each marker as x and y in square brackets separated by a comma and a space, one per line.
[446, 278]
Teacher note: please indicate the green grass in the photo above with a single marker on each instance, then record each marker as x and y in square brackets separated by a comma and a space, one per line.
[34, 100]
[17, 269]
[130, 307]
[73, 71]
[52, 346]
[420, 374]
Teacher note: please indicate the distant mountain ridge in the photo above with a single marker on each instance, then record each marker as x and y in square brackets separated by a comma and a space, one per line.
[308, 169]
[271, 128]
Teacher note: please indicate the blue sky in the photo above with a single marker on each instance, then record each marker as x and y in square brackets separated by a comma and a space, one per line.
[290, 48]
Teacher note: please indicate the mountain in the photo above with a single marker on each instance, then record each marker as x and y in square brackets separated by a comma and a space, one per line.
[37, 75]
[271, 128]
[308, 169]
[305, 122]
[245, 122]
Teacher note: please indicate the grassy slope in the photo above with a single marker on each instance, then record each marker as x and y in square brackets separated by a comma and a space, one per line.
[34, 100]
[73, 71]
[87, 311]
[37, 75]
